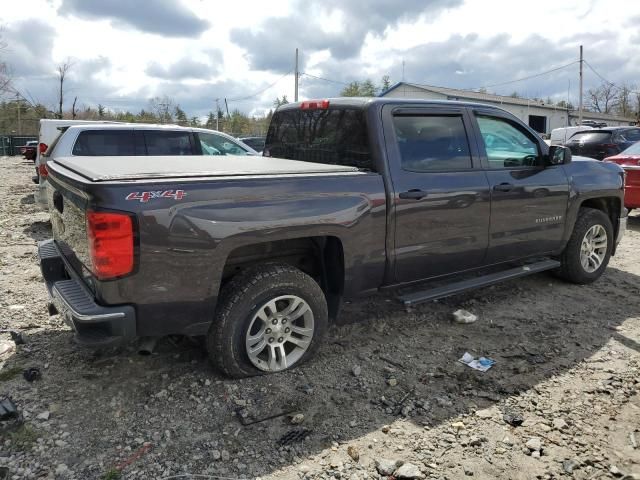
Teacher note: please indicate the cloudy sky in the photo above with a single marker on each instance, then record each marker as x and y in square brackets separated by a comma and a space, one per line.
[124, 52]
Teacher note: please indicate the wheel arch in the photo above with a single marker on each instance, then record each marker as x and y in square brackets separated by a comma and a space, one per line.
[321, 257]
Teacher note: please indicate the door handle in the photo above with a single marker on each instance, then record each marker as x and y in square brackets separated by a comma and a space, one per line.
[413, 194]
[503, 187]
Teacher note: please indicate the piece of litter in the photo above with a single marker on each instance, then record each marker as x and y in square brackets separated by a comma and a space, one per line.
[463, 316]
[482, 364]
[31, 374]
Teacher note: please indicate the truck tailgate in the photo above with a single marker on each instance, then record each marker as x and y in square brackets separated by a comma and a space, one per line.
[67, 206]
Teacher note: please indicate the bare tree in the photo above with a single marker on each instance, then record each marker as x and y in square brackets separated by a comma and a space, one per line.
[163, 107]
[5, 77]
[625, 100]
[604, 98]
[62, 73]
[73, 108]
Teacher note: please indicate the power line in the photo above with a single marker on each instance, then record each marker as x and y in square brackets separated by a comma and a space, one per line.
[261, 91]
[609, 82]
[324, 79]
[530, 76]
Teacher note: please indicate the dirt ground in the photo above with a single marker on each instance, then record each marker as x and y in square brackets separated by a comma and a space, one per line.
[385, 391]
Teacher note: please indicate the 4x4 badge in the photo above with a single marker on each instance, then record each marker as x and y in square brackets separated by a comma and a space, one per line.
[144, 197]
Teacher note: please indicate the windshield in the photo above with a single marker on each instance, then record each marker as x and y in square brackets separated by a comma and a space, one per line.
[632, 150]
[213, 144]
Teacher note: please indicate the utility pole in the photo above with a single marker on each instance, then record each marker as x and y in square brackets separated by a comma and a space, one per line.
[217, 114]
[19, 118]
[295, 92]
[580, 101]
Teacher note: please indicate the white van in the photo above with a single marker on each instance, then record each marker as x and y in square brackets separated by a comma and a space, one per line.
[560, 136]
[49, 131]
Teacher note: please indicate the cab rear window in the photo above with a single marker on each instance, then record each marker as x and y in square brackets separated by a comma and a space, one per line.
[105, 143]
[336, 136]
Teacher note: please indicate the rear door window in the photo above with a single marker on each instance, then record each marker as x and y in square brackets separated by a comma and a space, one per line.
[432, 142]
[104, 143]
[336, 136]
[162, 142]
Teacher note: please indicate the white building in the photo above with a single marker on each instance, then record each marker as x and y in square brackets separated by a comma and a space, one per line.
[541, 117]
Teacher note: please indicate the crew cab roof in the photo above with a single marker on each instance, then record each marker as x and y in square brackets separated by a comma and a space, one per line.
[373, 102]
[101, 169]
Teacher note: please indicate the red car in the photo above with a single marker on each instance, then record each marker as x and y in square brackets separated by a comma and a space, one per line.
[629, 159]
[29, 150]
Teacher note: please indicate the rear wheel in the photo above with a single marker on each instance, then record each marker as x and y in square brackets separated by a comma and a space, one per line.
[270, 318]
[588, 251]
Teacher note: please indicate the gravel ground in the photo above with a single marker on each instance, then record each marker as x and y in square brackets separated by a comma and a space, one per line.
[384, 398]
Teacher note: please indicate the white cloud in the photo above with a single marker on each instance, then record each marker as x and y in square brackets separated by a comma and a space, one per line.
[121, 62]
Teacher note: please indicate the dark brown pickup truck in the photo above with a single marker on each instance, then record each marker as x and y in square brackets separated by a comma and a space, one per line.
[352, 196]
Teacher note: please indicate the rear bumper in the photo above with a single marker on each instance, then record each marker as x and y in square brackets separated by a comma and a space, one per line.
[40, 195]
[94, 325]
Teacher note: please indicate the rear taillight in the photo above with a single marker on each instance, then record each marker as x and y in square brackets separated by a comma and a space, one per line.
[110, 238]
[43, 147]
[314, 105]
[42, 170]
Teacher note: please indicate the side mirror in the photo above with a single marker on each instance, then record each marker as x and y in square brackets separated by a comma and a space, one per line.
[559, 155]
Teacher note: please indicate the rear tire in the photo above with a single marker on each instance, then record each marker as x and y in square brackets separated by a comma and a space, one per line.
[588, 251]
[269, 318]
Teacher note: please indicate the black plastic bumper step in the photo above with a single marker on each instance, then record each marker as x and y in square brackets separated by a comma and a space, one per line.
[415, 298]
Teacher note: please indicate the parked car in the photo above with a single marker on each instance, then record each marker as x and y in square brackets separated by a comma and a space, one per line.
[257, 143]
[560, 136]
[592, 124]
[28, 151]
[48, 132]
[137, 139]
[603, 142]
[257, 253]
[630, 161]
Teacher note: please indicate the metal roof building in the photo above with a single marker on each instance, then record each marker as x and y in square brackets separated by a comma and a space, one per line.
[537, 114]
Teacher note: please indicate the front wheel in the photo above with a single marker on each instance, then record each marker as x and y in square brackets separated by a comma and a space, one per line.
[270, 318]
[588, 251]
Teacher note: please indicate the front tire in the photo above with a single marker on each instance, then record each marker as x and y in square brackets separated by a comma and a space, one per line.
[588, 251]
[269, 318]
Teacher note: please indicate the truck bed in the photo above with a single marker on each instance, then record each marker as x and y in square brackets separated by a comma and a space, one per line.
[102, 169]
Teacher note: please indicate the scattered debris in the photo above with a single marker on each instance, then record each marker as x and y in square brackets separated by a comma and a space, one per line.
[482, 364]
[534, 444]
[293, 436]
[463, 316]
[31, 374]
[246, 419]
[387, 467]
[17, 337]
[408, 471]
[44, 415]
[569, 465]
[8, 409]
[353, 453]
[4, 473]
[297, 419]
[513, 418]
[7, 347]
[392, 382]
[357, 370]
[10, 417]
[392, 362]
[632, 439]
